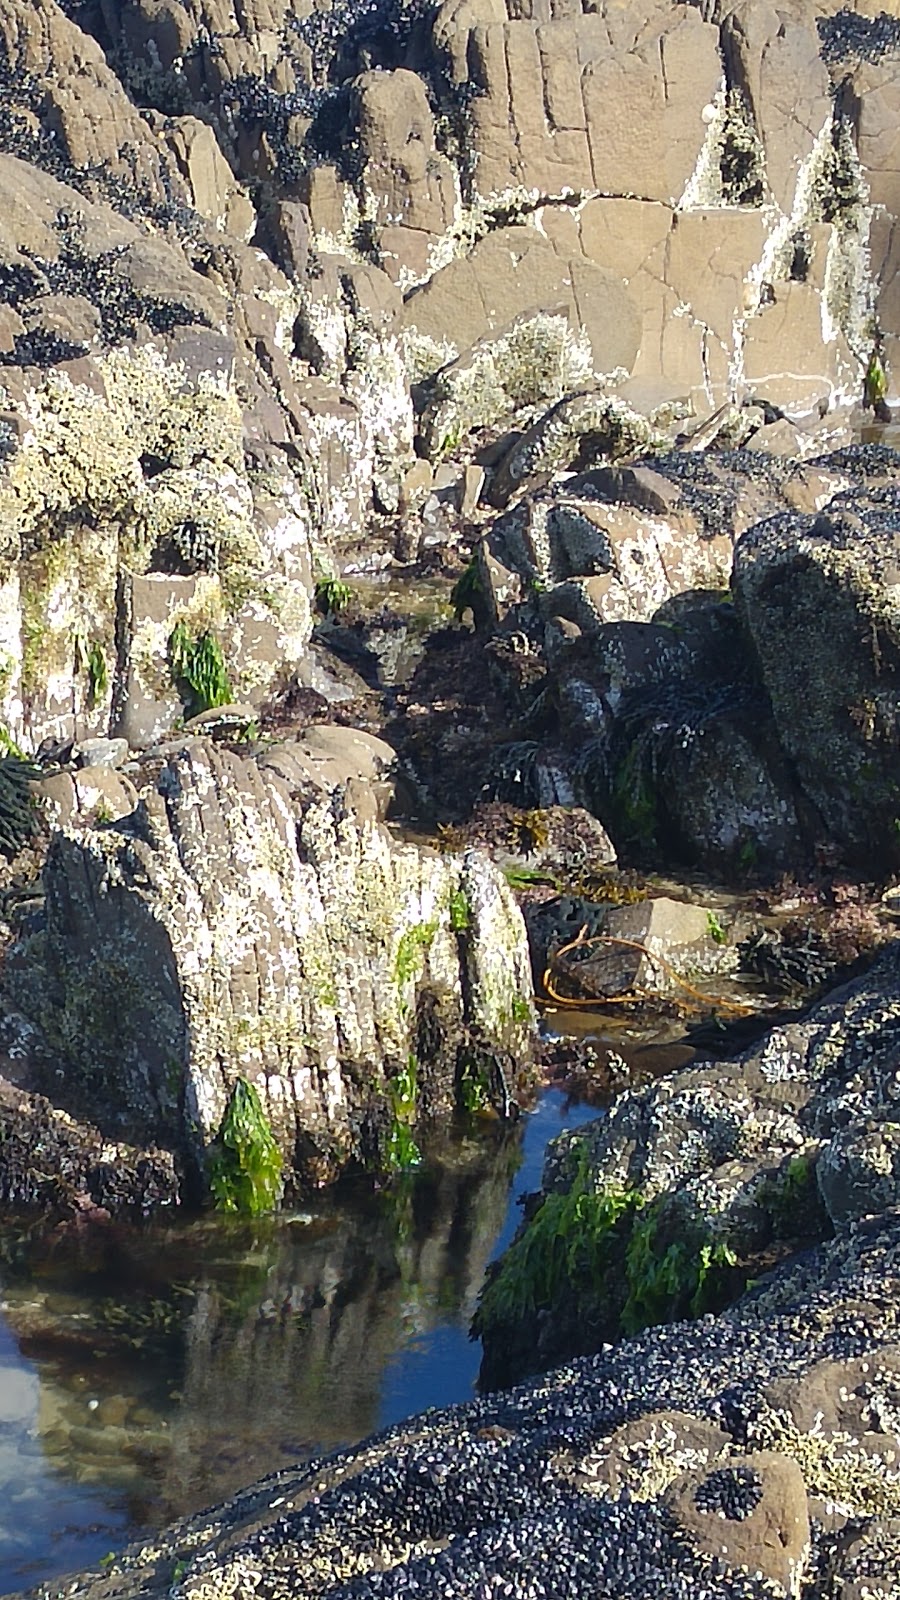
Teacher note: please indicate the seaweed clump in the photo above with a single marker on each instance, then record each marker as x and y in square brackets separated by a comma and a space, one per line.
[198, 669]
[245, 1163]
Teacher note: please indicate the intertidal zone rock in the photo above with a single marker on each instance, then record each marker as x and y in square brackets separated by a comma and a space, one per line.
[720, 1163]
[254, 919]
[738, 1458]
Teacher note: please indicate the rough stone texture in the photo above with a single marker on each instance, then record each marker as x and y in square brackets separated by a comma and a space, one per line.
[818, 598]
[647, 948]
[474, 213]
[57, 1165]
[259, 921]
[732, 1151]
[582, 1481]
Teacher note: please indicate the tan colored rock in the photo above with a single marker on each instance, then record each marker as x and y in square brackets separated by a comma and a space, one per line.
[709, 257]
[626, 236]
[210, 180]
[775, 60]
[644, 110]
[772, 1537]
[779, 438]
[513, 272]
[95, 122]
[785, 358]
[472, 485]
[416, 485]
[411, 185]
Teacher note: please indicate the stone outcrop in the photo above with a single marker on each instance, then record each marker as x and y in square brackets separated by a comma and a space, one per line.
[793, 1140]
[457, 218]
[254, 919]
[818, 595]
[717, 628]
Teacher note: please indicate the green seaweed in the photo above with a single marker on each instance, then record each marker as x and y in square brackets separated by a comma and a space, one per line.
[198, 669]
[561, 1256]
[569, 1258]
[245, 1163]
[414, 944]
[18, 818]
[460, 911]
[467, 590]
[684, 1279]
[98, 676]
[474, 1089]
[403, 1092]
[333, 595]
[792, 1199]
[875, 383]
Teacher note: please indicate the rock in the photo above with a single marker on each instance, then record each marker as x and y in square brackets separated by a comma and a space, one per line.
[817, 597]
[859, 1171]
[472, 485]
[762, 1502]
[586, 1473]
[649, 948]
[63, 1167]
[736, 1154]
[101, 752]
[257, 921]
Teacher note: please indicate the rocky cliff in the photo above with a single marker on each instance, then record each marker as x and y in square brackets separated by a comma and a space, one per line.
[248, 258]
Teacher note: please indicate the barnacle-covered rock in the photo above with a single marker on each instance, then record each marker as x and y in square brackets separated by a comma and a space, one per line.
[257, 921]
[730, 1157]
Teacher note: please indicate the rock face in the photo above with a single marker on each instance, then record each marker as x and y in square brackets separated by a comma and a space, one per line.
[734, 1159]
[256, 920]
[819, 595]
[457, 218]
[738, 1457]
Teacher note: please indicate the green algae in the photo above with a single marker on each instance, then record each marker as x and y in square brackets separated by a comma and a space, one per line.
[669, 1281]
[245, 1163]
[414, 945]
[198, 668]
[403, 1153]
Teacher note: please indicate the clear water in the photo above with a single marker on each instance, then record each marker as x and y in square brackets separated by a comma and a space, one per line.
[147, 1374]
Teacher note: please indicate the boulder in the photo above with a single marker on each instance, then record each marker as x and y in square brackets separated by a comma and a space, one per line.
[817, 596]
[716, 1162]
[256, 921]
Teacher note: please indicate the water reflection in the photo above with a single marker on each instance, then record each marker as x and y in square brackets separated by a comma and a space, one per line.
[153, 1373]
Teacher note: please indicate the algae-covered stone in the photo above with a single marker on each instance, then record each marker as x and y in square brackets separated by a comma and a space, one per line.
[228, 930]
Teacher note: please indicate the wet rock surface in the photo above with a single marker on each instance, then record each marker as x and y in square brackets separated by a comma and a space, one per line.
[682, 1459]
[255, 920]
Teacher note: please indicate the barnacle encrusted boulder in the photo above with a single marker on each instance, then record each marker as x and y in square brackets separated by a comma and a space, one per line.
[255, 919]
[707, 1167]
[737, 1458]
[819, 598]
[57, 1164]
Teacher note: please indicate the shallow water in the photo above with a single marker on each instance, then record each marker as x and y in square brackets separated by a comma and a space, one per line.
[151, 1373]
